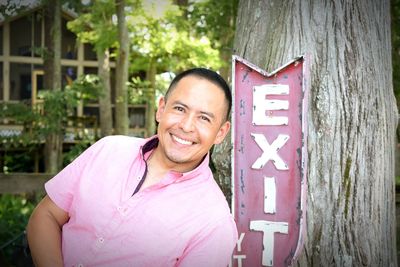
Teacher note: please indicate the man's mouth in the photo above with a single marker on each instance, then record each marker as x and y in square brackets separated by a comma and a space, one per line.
[182, 141]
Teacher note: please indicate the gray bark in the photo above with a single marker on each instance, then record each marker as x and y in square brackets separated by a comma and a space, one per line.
[105, 97]
[222, 164]
[121, 90]
[351, 119]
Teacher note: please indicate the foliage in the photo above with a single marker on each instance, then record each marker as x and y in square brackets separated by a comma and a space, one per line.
[57, 105]
[138, 91]
[19, 162]
[159, 36]
[214, 19]
[85, 141]
[38, 121]
[95, 25]
[84, 89]
[20, 114]
[14, 214]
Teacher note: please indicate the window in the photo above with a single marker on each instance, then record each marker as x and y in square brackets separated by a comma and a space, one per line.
[37, 33]
[20, 81]
[91, 111]
[137, 116]
[68, 75]
[68, 46]
[21, 37]
[90, 54]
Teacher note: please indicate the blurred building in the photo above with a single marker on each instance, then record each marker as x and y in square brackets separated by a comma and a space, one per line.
[22, 37]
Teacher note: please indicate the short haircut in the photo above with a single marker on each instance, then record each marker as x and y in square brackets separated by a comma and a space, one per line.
[209, 75]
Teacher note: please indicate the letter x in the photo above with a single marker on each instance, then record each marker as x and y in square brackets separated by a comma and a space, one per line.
[270, 152]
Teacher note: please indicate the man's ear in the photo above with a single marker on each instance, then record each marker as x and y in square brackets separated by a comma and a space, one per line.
[222, 132]
[161, 108]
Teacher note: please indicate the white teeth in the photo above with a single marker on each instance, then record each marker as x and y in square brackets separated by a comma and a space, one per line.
[181, 141]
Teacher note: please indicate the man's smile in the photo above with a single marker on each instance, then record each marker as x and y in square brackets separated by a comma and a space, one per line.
[181, 141]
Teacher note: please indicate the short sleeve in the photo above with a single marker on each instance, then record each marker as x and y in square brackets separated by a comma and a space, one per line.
[213, 247]
[61, 187]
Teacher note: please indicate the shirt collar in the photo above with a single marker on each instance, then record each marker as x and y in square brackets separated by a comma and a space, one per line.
[152, 142]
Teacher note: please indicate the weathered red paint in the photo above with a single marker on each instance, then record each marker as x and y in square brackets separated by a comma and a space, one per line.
[248, 183]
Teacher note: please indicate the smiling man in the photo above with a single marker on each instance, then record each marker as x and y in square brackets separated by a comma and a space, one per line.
[151, 202]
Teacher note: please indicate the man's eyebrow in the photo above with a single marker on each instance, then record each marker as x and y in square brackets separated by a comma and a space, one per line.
[210, 114]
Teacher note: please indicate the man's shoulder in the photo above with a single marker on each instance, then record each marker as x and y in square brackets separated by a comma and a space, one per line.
[120, 140]
[116, 144]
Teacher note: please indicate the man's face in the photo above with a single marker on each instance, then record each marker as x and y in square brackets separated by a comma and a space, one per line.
[191, 120]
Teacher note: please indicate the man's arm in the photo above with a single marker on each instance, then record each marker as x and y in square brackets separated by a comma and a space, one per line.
[44, 233]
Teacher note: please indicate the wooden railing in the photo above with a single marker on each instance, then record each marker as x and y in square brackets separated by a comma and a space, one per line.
[16, 183]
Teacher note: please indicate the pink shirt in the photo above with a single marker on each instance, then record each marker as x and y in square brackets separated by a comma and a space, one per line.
[184, 220]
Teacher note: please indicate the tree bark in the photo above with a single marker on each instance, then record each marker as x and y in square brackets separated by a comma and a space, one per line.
[52, 81]
[121, 91]
[352, 119]
[105, 97]
[219, 157]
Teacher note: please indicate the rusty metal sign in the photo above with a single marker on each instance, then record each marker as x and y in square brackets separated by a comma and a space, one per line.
[269, 162]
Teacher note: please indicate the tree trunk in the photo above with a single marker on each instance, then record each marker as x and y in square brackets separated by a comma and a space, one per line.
[226, 40]
[105, 97]
[221, 162]
[52, 81]
[222, 166]
[352, 119]
[151, 105]
[121, 91]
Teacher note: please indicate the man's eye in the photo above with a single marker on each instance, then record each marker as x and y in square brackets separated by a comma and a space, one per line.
[205, 118]
[179, 108]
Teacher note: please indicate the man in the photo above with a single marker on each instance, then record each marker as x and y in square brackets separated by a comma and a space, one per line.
[151, 202]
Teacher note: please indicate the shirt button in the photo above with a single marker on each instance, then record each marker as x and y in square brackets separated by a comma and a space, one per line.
[101, 240]
[79, 265]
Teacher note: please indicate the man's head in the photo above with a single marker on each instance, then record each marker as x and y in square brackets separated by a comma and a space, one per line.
[192, 117]
[212, 77]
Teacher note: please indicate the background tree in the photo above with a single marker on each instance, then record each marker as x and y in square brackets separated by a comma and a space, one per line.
[216, 20]
[94, 25]
[121, 89]
[52, 81]
[162, 43]
[352, 119]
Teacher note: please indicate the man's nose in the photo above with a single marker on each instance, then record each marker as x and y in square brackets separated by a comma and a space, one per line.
[187, 123]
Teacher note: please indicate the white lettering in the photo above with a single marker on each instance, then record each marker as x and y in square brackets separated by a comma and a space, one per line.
[239, 242]
[239, 258]
[261, 105]
[270, 152]
[269, 195]
[269, 228]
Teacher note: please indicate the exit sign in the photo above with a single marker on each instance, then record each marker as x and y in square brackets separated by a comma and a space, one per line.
[269, 162]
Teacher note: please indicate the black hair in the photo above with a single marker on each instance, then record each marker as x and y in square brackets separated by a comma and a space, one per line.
[209, 75]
